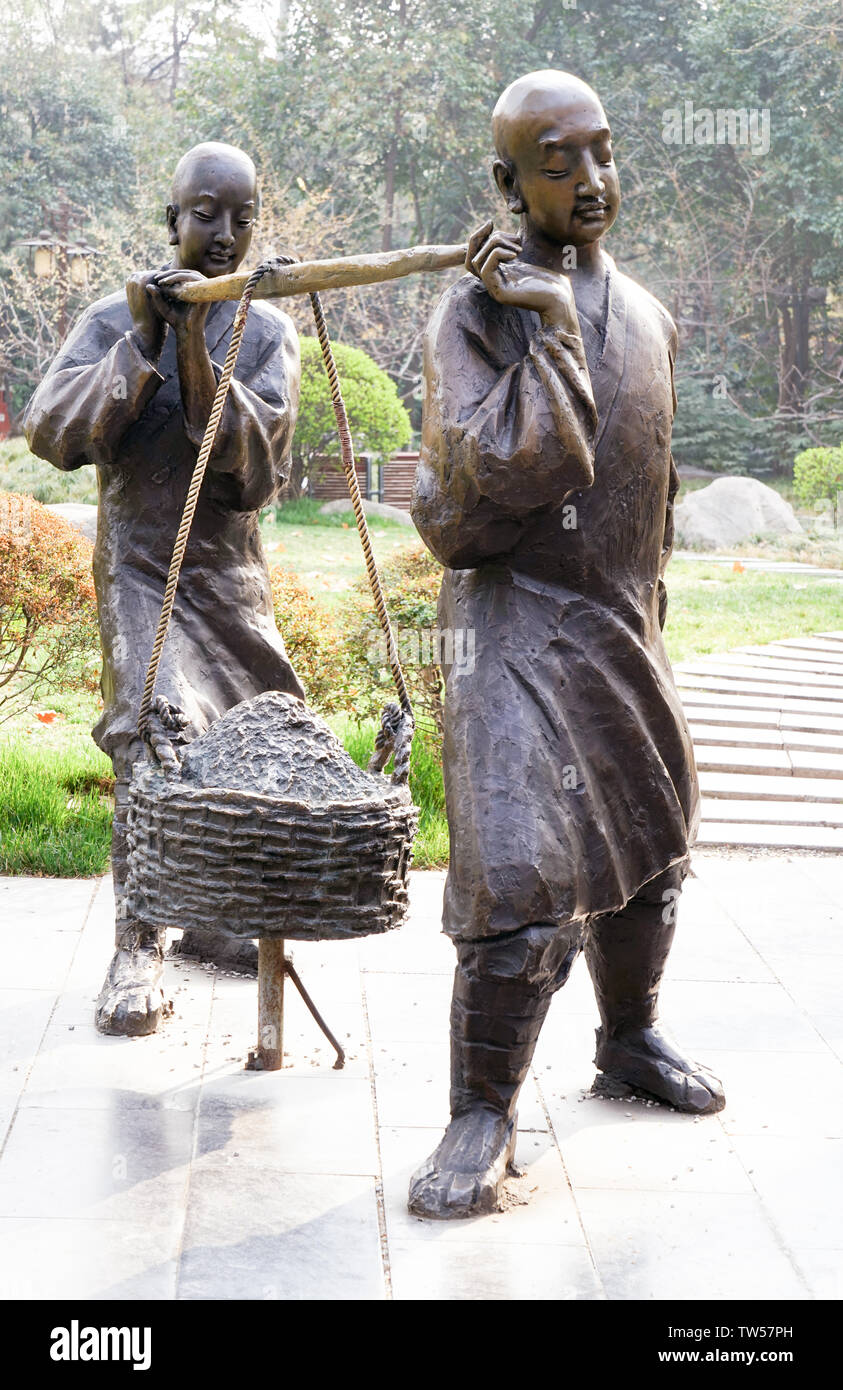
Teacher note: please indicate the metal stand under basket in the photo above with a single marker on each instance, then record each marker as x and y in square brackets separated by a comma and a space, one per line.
[273, 966]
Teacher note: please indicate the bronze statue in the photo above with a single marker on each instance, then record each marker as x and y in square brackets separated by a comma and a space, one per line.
[131, 392]
[546, 488]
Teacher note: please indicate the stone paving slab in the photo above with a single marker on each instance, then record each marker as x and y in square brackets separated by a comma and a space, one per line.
[772, 812]
[736, 665]
[159, 1168]
[788, 761]
[767, 724]
[760, 785]
[760, 736]
[749, 562]
[739, 683]
[713, 757]
[805, 658]
[713, 832]
[781, 719]
[695, 690]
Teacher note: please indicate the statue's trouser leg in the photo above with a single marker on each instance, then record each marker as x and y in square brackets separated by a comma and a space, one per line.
[239, 954]
[627, 953]
[131, 1001]
[502, 991]
[128, 931]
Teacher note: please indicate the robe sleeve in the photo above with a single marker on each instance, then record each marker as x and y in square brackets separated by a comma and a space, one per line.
[256, 432]
[99, 384]
[501, 437]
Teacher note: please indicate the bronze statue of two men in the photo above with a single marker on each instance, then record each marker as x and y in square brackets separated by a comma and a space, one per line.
[546, 488]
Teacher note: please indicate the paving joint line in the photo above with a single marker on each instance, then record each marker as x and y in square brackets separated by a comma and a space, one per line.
[769, 1218]
[194, 1139]
[380, 1202]
[552, 1131]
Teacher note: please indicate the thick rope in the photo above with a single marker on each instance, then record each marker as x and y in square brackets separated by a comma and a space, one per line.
[220, 397]
[347, 452]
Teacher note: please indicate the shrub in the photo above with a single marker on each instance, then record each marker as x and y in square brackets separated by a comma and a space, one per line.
[313, 641]
[378, 421]
[48, 616]
[818, 476]
[342, 659]
[411, 582]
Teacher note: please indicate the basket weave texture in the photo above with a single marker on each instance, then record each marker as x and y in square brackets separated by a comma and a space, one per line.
[298, 842]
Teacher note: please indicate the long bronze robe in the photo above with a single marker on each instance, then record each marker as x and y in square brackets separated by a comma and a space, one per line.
[569, 770]
[103, 403]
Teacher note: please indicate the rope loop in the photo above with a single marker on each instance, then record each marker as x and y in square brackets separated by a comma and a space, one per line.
[395, 735]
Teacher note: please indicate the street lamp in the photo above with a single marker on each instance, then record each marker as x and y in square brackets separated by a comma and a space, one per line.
[42, 254]
[51, 253]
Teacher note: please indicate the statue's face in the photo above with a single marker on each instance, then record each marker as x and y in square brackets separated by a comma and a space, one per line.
[565, 174]
[216, 202]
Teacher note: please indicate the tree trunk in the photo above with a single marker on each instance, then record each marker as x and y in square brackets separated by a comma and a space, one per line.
[174, 71]
[389, 195]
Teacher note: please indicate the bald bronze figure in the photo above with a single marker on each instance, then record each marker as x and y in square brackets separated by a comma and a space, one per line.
[130, 392]
[546, 488]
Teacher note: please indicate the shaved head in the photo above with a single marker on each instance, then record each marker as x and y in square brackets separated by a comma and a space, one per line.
[212, 161]
[555, 166]
[213, 208]
[537, 103]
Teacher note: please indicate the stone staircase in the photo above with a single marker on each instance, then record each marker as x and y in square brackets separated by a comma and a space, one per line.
[767, 725]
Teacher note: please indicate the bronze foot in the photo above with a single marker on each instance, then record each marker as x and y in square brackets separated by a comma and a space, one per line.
[645, 1062]
[228, 952]
[465, 1175]
[131, 1002]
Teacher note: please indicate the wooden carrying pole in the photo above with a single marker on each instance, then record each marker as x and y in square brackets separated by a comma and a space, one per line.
[305, 277]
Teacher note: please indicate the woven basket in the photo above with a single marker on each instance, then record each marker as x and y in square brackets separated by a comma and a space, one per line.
[269, 829]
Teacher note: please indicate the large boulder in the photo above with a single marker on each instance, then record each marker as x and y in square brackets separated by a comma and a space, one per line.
[731, 510]
[371, 508]
[78, 515]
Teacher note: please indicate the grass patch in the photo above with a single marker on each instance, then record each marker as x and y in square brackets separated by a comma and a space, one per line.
[21, 471]
[426, 786]
[712, 607]
[325, 551]
[55, 815]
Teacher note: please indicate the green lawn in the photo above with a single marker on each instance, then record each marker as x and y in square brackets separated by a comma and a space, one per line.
[325, 551]
[712, 607]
